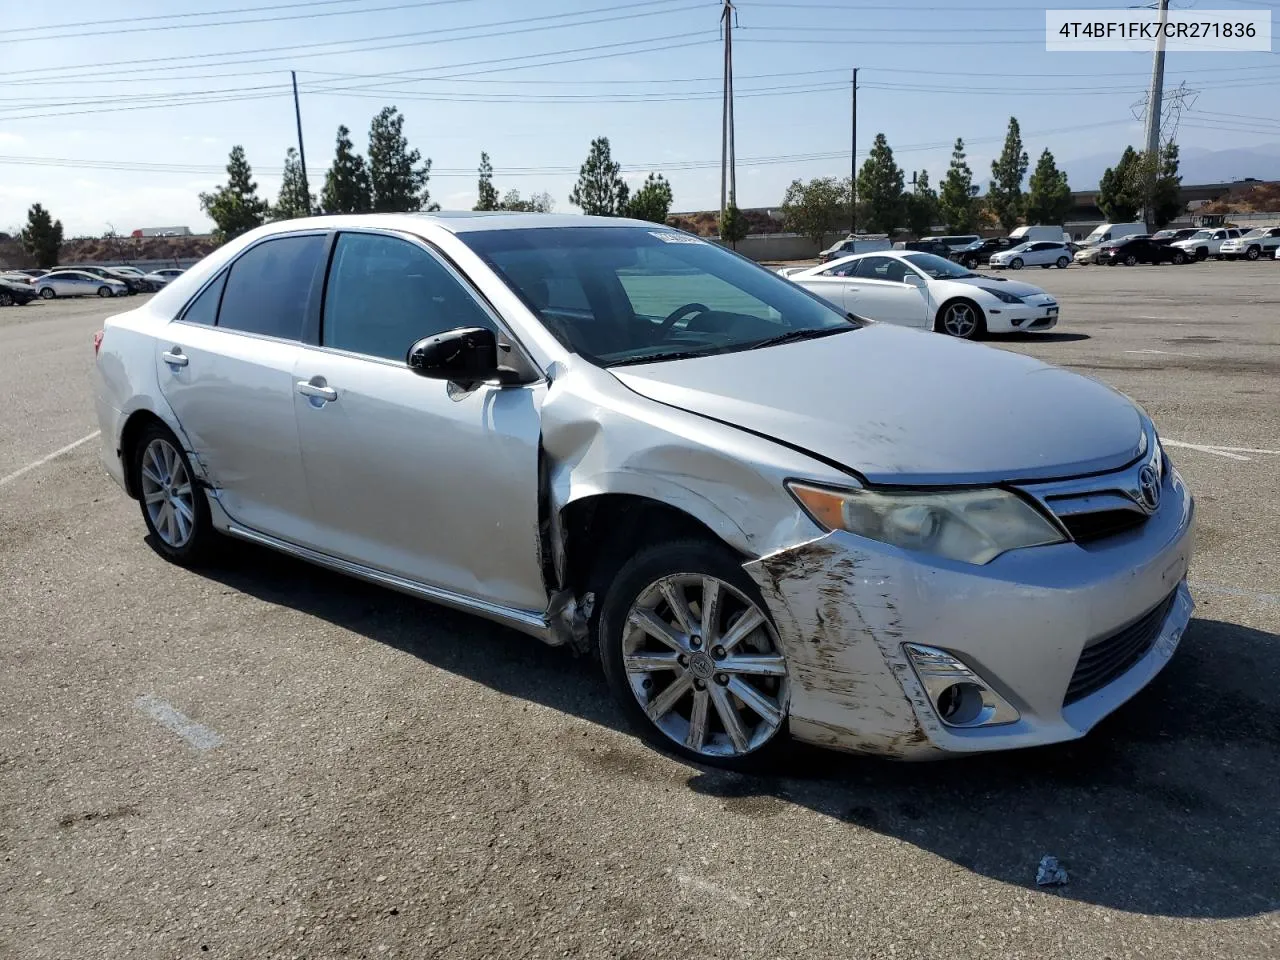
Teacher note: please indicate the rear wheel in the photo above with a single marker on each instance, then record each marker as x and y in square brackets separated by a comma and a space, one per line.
[971, 263]
[1016, 263]
[1063, 263]
[6, 298]
[962, 319]
[174, 507]
[47, 293]
[690, 652]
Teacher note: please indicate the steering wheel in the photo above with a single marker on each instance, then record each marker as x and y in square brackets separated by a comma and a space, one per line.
[679, 312]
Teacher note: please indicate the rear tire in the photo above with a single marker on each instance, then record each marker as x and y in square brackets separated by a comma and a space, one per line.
[1063, 263]
[6, 298]
[174, 506]
[693, 708]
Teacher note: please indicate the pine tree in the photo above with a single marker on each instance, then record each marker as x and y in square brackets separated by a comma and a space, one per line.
[346, 185]
[1007, 171]
[1049, 201]
[600, 191]
[41, 237]
[235, 208]
[922, 206]
[295, 200]
[398, 182]
[1120, 190]
[955, 202]
[652, 201]
[488, 193]
[880, 185]
[537, 203]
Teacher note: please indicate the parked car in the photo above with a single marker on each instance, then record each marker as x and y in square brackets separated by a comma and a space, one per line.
[851, 245]
[131, 283]
[979, 253]
[1132, 251]
[929, 293]
[749, 503]
[954, 243]
[137, 279]
[1261, 242]
[1042, 253]
[78, 283]
[1207, 243]
[1172, 236]
[164, 275]
[16, 292]
[31, 272]
[935, 247]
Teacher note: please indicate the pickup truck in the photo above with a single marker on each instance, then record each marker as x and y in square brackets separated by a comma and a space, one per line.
[1262, 242]
[1206, 243]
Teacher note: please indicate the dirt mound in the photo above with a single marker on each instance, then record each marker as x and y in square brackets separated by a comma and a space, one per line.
[706, 222]
[1259, 198]
[112, 250]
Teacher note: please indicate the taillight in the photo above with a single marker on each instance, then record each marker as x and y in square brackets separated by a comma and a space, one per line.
[97, 342]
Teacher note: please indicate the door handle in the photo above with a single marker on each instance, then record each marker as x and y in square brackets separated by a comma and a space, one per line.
[174, 357]
[317, 391]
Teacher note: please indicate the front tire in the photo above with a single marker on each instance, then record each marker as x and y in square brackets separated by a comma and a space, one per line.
[1016, 263]
[1202, 254]
[691, 654]
[174, 507]
[1253, 253]
[962, 319]
[1179, 258]
[47, 293]
[105, 292]
[1131, 261]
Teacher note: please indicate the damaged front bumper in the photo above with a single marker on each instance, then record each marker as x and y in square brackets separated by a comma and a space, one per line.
[845, 607]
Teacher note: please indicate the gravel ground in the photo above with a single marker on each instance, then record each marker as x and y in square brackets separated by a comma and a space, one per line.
[393, 779]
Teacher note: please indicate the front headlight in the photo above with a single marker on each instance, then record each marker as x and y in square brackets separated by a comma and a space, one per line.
[975, 526]
[1003, 296]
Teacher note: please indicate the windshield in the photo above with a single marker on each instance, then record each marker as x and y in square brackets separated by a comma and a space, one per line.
[1201, 235]
[937, 268]
[620, 295]
[1020, 248]
[1254, 233]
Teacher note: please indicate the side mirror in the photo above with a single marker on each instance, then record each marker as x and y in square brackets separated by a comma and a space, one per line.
[463, 355]
[913, 280]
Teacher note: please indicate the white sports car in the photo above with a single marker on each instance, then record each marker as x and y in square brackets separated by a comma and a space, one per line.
[927, 292]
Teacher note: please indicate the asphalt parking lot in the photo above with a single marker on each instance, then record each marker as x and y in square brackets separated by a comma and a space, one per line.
[378, 777]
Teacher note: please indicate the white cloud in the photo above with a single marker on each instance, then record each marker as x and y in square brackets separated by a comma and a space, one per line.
[8, 139]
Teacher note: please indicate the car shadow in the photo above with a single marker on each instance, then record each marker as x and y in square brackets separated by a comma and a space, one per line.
[1168, 807]
[1038, 337]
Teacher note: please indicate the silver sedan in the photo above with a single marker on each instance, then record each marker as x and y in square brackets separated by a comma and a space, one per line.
[77, 283]
[770, 520]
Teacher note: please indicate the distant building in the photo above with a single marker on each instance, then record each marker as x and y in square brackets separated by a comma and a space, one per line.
[162, 232]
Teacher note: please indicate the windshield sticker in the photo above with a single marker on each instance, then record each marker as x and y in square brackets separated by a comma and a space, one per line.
[669, 237]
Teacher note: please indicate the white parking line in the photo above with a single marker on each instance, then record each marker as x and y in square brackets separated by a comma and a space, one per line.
[1230, 453]
[43, 460]
[696, 888]
[196, 734]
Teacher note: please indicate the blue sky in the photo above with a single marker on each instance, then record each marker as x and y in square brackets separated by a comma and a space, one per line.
[532, 83]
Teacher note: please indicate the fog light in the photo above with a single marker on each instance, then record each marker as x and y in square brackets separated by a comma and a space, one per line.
[960, 697]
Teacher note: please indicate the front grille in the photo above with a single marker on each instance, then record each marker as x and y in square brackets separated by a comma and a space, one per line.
[1086, 527]
[1108, 658]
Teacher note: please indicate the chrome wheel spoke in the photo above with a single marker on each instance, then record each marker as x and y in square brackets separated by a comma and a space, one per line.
[756, 701]
[156, 496]
[650, 662]
[180, 521]
[754, 666]
[710, 608]
[653, 626]
[183, 510]
[697, 734]
[679, 606]
[748, 622]
[150, 474]
[663, 703]
[183, 489]
[729, 717]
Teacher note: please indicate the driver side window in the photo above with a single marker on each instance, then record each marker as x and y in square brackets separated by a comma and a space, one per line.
[842, 270]
[384, 294]
[881, 268]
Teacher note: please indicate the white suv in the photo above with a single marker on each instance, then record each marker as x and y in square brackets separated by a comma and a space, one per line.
[1264, 241]
[1207, 243]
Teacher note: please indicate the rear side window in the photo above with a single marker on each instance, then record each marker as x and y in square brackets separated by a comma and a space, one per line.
[204, 308]
[385, 294]
[269, 286]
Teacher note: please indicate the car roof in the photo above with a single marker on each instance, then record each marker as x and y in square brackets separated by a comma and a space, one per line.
[455, 221]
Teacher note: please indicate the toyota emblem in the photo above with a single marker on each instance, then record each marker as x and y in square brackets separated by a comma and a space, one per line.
[1149, 488]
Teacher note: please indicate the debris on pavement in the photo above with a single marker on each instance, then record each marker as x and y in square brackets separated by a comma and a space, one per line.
[1051, 873]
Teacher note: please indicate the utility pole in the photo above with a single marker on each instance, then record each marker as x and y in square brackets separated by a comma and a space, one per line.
[728, 172]
[853, 162]
[1155, 105]
[302, 151]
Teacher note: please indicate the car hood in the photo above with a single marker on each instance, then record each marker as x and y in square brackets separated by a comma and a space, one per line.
[902, 407]
[1015, 287]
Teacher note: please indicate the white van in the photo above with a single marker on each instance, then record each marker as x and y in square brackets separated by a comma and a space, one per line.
[1114, 231]
[865, 243]
[1036, 234]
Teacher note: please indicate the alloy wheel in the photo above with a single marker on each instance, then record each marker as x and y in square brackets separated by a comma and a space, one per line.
[959, 320]
[704, 663]
[6, 298]
[47, 293]
[167, 494]
[1015, 263]
[1131, 261]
